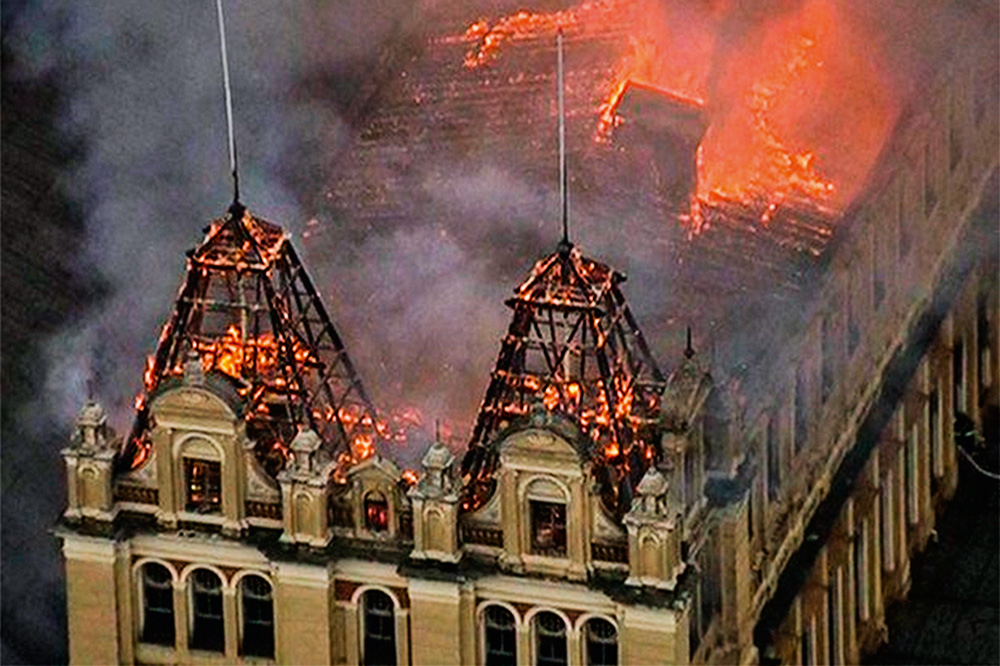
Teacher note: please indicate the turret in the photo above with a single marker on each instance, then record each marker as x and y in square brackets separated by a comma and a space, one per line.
[435, 507]
[654, 534]
[89, 466]
[304, 492]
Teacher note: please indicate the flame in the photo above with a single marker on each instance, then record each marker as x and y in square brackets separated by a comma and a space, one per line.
[410, 477]
[792, 111]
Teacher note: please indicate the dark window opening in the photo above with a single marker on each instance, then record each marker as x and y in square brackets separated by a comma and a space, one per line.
[501, 637]
[380, 629]
[833, 622]
[930, 186]
[158, 605]
[801, 410]
[955, 137]
[773, 459]
[958, 375]
[690, 492]
[203, 479]
[376, 512]
[550, 640]
[934, 428]
[208, 631]
[807, 646]
[258, 617]
[827, 362]
[903, 220]
[878, 269]
[861, 573]
[602, 643]
[548, 528]
[982, 342]
[853, 317]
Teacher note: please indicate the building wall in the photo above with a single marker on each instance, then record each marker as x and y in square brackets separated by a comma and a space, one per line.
[888, 274]
[906, 251]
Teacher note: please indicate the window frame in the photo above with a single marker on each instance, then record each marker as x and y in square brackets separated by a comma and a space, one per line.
[363, 622]
[482, 622]
[369, 507]
[557, 520]
[197, 639]
[142, 606]
[213, 505]
[534, 623]
[586, 641]
[243, 615]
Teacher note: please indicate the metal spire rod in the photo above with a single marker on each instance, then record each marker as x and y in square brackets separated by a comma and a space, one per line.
[563, 189]
[229, 104]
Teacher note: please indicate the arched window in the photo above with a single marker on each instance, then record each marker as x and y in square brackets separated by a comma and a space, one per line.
[500, 637]
[379, 629]
[258, 617]
[602, 643]
[376, 512]
[550, 640]
[157, 605]
[207, 630]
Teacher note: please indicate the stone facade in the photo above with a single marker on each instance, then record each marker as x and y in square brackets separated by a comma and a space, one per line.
[777, 523]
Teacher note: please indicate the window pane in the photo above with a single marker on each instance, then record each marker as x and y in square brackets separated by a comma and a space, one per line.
[380, 630]
[501, 637]
[550, 640]
[258, 617]
[376, 512]
[602, 643]
[208, 631]
[203, 479]
[158, 605]
[548, 528]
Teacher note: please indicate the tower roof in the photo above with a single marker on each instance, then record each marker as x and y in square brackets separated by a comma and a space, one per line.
[574, 346]
[249, 313]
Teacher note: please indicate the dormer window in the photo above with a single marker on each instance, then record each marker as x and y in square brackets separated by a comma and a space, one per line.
[376, 512]
[203, 483]
[548, 528]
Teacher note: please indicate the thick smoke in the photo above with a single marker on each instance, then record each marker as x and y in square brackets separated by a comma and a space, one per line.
[419, 304]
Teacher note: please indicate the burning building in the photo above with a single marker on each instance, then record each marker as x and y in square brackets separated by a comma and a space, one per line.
[712, 488]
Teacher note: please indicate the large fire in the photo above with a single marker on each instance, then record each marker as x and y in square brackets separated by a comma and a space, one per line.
[793, 110]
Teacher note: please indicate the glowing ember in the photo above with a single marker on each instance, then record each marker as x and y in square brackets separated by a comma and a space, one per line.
[792, 111]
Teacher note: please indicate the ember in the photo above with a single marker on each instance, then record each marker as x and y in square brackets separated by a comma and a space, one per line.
[790, 113]
[574, 348]
[248, 312]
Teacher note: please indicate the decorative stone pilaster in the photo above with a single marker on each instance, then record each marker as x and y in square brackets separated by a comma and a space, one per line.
[654, 539]
[304, 492]
[90, 465]
[435, 507]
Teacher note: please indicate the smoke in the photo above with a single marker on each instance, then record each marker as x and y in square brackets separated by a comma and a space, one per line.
[417, 292]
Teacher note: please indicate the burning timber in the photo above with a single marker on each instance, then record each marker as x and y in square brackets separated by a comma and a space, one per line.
[248, 316]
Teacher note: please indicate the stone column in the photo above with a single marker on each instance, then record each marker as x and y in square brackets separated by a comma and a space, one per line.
[301, 606]
[90, 600]
[436, 622]
[181, 621]
[230, 617]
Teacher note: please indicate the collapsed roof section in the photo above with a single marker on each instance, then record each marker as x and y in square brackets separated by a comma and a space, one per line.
[574, 346]
[248, 313]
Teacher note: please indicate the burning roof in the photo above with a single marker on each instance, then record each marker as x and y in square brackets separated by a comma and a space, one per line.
[248, 313]
[574, 346]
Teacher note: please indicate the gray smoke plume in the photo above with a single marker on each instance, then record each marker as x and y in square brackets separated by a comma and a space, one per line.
[419, 304]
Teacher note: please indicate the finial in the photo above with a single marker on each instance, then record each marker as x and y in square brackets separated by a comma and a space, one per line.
[229, 104]
[437, 430]
[688, 349]
[563, 183]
